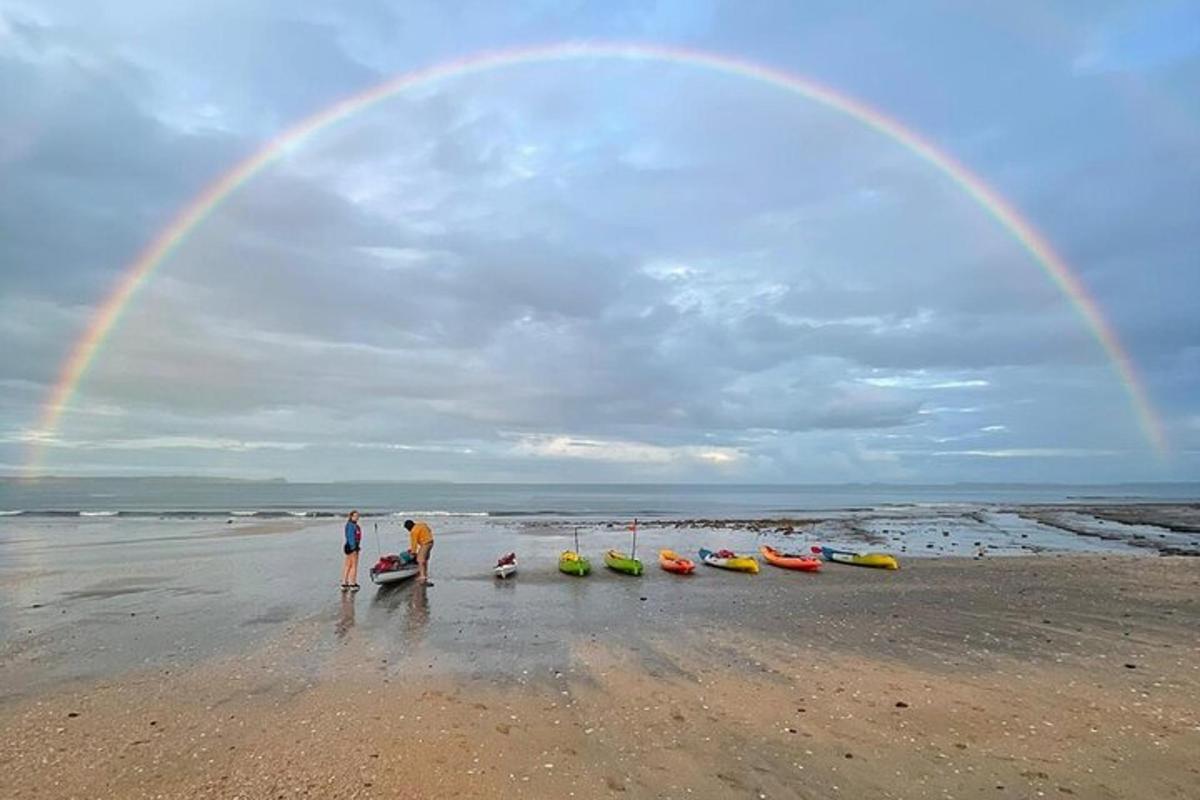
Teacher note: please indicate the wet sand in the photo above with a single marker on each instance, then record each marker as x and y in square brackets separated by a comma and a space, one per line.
[955, 677]
[93, 597]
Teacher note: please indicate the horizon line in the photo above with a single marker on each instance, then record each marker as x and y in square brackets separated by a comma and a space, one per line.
[449, 482]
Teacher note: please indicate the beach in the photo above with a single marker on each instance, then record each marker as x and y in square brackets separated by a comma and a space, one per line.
[215, 657]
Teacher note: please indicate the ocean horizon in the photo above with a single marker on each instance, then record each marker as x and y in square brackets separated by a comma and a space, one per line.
[186, 496]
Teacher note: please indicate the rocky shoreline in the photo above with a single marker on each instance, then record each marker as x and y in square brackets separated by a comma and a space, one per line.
[1164, 528]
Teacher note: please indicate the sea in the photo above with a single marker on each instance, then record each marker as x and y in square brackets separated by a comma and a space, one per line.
[202, 497]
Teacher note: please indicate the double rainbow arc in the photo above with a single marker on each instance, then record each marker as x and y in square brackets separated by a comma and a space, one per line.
[106, 318]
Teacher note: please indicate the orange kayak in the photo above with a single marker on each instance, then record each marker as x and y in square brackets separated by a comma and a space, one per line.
[673, 562]
[789, 561]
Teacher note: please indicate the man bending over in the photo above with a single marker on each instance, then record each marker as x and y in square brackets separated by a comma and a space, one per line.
[420, 542]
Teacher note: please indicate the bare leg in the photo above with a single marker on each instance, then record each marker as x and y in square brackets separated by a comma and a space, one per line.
[346, 565]
[423, 562]
[352, 574]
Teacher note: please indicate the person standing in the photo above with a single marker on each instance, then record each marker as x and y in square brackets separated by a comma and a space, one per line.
[420, 542]
[351, 547]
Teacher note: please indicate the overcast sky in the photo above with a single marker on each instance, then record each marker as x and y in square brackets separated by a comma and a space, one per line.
[602, 270]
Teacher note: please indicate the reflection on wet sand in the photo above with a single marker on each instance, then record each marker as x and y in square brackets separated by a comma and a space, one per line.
[506, 584]
[410, 595]
[390, 596]
[345, 615]
[418, 609]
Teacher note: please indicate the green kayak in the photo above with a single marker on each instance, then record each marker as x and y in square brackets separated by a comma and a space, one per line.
[572, 563]
[620, 562]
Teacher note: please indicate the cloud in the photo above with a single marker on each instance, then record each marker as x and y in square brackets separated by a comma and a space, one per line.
[1031, 452]
[606, 270]
[924, 382]
[171, 443]
[566, 447]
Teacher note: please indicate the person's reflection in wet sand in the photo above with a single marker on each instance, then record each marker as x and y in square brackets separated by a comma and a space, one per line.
[345, 616]
[418, 609]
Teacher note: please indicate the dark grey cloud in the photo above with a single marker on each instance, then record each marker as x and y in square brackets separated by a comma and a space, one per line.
[84, 178]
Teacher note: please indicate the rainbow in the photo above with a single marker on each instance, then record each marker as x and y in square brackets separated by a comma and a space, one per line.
[105, 319]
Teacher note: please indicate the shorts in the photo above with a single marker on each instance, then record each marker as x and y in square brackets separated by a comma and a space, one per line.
[423, 552]
[347, 549]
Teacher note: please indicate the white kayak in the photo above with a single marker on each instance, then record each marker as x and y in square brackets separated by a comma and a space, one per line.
[393, 569]
[506, 567]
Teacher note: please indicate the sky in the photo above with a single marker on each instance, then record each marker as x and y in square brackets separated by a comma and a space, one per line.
[601, 269]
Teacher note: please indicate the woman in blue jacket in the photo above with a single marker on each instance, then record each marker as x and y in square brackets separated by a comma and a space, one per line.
[350, 547]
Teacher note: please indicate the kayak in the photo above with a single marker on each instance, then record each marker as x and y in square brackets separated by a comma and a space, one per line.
[572, 563]
[879, 560]
[394, 568]
[673, 562]
[731, 561]
[790, 560]
[506, 566]
[620, 562]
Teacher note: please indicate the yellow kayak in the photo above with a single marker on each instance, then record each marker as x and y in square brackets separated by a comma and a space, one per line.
[734, 562]
[878, 560]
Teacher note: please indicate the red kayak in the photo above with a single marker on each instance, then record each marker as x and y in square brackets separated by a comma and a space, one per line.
[790, 561]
